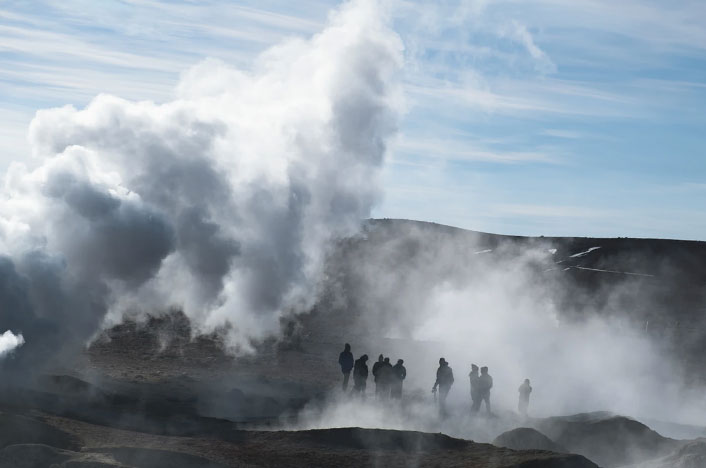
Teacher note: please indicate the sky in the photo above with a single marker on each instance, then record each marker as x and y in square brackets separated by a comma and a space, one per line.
[530, 117]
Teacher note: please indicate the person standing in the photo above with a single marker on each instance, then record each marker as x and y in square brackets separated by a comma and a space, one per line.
[399, 373]
[385, 378]
[360, 374]
[444, 380]
[486, 383]
[524, 390]
[475, 388]
[345, 360]
[376, 375]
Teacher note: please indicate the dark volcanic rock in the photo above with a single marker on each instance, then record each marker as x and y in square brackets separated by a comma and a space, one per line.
[31, 456]
[43, 456]
[379, 439]
[17, 429]
[356, 447]
[526, 438]
[148, 458]
[607, 439]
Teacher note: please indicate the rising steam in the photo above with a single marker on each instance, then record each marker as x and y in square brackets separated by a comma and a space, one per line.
[221, 202]
[420, 293]
[9, 341]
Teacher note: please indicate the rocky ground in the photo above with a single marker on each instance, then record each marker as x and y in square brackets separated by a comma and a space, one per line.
[135, 402]
[56, 441]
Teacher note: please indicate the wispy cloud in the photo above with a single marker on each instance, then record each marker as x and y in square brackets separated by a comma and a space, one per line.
[519, 32]
[526, 99]
[549, 87]
[568, 134]
[465, 151]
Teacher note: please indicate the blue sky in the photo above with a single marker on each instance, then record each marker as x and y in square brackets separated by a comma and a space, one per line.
[534, 117]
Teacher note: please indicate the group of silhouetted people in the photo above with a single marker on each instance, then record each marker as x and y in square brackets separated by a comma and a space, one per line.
[388, 381]
[388, 378]
[480, 388]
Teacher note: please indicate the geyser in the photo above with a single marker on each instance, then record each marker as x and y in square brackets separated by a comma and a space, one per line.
[221, 202]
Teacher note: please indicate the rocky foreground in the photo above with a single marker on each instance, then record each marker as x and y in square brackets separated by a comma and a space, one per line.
[34, 437]
[64, 421]
[133, 402]
[34, 440]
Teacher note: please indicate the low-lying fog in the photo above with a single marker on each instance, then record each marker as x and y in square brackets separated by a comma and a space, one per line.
[501, 308]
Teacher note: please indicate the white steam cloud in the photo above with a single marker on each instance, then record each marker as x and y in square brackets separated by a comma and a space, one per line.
[419, 294]
[9, 341]
[221, 202]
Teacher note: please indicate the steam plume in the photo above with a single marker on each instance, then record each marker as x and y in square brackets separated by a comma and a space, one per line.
[419, 293]
[220, 202]
[10, 341]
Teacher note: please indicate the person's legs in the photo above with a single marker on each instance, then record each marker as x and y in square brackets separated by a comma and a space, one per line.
[476, 402]
[346, 375]
[358, 386]
[443, 393]
[486, 398]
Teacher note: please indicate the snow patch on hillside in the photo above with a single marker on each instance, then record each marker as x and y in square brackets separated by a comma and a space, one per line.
[581, 254]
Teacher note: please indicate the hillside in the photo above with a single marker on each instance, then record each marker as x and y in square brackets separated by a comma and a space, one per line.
[658, 286]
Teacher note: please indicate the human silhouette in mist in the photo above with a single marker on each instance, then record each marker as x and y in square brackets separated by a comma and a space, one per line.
[485, 384]
[475, 388]
[360, 374]
[345, 360]
[444, 380]
[399, 373]
[524, 390]
[376, 374]
[385, 378]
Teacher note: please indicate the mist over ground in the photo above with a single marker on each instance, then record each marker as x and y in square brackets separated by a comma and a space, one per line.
[419, 292]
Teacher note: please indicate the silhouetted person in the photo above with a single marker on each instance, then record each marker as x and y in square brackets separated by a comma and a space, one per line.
[345, 360]
[385, 378]
[376, 374]
[524, 390]
[486, 383]
[360, 374]
[399, 373]
[475, 388]
[444, 380]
